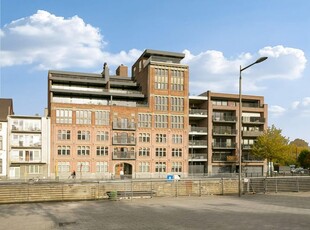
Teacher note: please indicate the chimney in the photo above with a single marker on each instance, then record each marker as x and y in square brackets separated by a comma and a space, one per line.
[122, 71]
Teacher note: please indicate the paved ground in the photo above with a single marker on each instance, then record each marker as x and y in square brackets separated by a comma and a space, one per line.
[272, 211]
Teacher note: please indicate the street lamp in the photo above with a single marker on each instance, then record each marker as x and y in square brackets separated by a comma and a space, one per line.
[261, 59]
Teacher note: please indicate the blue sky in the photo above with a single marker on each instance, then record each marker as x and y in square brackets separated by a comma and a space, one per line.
[216, 36]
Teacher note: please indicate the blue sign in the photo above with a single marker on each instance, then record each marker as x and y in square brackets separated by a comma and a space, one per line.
[169, 177]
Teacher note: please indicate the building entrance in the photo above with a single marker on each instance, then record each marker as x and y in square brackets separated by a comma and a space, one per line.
[123, 170]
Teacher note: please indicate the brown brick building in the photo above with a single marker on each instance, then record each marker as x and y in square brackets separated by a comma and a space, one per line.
[105, 125]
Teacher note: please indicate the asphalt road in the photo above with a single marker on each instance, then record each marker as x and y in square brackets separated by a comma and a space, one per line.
[260, 211]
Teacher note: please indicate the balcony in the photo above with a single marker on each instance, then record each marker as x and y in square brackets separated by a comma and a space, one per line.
[124, 126]
[224, 145]
[224, 132]
[253, 120]
[124, 141]
[23, 144]
[198, 157]
[198, 143]
[124, 155]
[199, 130]
[20, 129]
[199, 112]
[252, 133]
[246, 157]
[224, 157]
[225, 119]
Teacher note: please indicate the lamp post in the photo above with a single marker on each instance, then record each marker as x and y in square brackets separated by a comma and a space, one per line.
[240, 120]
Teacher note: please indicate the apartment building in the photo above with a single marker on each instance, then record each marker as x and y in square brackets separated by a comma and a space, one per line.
[6, 109]
[213, 134]
[28, 147]
[105, 126]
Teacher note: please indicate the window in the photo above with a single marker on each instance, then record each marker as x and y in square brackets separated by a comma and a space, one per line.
[218, 102]
[177, 80]
[161, 138]
[83, 117]
[144, 120]
[177, 104]
[177, 122]
[161, 121]
[63, 116]
[176, 167]
[177, 138]
[124, 138]
[64, 135]
[1, 143]
[102, 151]
[102, 136]
[144, 137]
[144, 167]
[83, 166]
[0, 166]
[34, 169]
[63, 166]
[102, 167]
[63, 150]
[161, 78]
[176, 152]
[83, 135]
[83, 150]
[144, 152]
[102, 117]
[161, 103]
[161, 152]
[160, 167]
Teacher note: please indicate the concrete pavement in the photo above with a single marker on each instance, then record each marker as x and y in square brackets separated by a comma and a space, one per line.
[271, 211]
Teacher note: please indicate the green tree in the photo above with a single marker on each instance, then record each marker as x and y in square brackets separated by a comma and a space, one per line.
[272, 146]
[304, 158]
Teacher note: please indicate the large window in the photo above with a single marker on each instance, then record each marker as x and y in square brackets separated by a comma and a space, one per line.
[144, 167]
[177, 138]
[102, 151]
[161, 152]
[83, 166]
[102, 167]
[63, 116]
[145, 137]
[83, 150]
[64, 135]
[161, 121]
[144, 152]
[63, 150]
[102, 117]
[176, 167]
[160, 167]
[144, 120]
[83, 135]
[161, 78]
[63, 166]
[83, 117]
[102, 136]
[176, 152]
[34, 169]
[161, 138]
[161, 103]
[177, 80]
[177, 122]
[177, 104]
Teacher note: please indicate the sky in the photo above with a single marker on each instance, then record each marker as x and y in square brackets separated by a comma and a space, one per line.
[217, 37]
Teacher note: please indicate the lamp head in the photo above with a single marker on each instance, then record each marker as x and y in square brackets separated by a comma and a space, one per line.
[261, 59]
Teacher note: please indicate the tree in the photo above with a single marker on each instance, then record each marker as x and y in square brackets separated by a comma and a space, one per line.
[304, 158]
[272, 146]
[300, 143]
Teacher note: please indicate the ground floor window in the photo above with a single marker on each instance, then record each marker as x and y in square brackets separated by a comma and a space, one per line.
[63, 167]
[160, 167]
[34, 169]
[144, 167]
[102, 167]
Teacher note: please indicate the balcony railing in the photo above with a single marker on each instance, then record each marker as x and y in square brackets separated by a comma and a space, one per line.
[198, 129]
[247, 146]
[226, 132]
[198, 143]
[224, 119]
[25, 129]
[122, 155]
[224, 145]
[257, 120]
[198, 112]
[252, 133]
[124, 141]
[229, 158]
[124, 126]
[201, 156]
[26, 144]
[249, 157]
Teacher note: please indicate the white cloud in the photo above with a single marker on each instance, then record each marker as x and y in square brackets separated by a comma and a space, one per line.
[276, 110]
[51, 42]
[212, 70]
